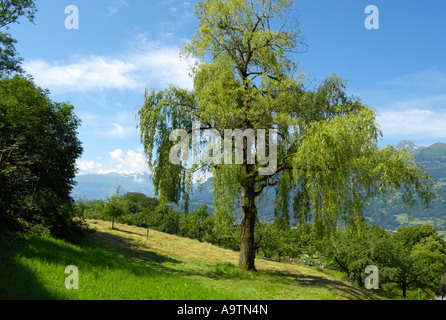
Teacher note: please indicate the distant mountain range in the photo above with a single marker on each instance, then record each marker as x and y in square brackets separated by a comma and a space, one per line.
[407, 145]
[433, 158]
[101, 186]
[436, 151]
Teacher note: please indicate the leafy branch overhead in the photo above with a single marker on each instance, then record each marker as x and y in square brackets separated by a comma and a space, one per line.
[10, 12]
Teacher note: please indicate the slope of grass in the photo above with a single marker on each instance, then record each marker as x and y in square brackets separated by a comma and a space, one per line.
[124, 264]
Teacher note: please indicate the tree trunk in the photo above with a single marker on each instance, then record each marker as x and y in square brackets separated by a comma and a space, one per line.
[247, 244]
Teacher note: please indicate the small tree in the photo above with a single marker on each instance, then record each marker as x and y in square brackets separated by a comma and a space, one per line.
[441, 287]
[197, 223]
[222, 232]
[418, 258]
[113, 208]
[148, 218]
[351, 251]
[81, 206]
[276, 239]
[169, 219]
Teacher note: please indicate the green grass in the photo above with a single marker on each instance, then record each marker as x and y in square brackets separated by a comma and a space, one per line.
[35, 269]
[122, 264]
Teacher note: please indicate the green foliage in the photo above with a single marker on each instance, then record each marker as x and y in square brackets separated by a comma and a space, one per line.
[197, 224]
[328, 161]
[169, 219]
[412, 258]
[228, 270]
[38, 150]
[138, 202]
[276, 239]
[10, 12]
[351, 251]
[419, 258]
[9, 62]
[113, 207]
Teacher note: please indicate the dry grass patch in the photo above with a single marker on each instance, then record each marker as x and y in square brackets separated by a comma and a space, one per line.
[216, 266]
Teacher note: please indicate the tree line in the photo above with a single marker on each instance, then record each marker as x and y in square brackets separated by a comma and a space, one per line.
[410, 260]
[273, 239]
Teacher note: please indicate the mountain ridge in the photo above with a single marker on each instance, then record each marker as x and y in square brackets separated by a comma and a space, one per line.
[432, 158]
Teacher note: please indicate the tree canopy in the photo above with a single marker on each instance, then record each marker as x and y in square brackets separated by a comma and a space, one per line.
[325, 156]
[38, 152]
[10, 12]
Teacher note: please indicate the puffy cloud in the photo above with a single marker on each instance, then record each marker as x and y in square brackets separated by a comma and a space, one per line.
[146, 65]
[116, 6]
[92, 73]
[129, 162]
[120, 131]
[88, 167]
[414, 124]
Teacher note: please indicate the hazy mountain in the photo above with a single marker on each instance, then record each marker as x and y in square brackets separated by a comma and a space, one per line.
[407, 145]
[433, 158]
[101, 186]
[435, 152]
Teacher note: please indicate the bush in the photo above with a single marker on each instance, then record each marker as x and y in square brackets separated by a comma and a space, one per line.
[38, 150]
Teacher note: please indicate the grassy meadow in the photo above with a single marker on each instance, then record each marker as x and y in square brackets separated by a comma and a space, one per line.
[124, 264]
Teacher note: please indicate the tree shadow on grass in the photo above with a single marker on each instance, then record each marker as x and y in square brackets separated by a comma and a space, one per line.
[24, 262]
[306, 280]
[138, 250]
[17, 281]
[130, 247]
[127, 231]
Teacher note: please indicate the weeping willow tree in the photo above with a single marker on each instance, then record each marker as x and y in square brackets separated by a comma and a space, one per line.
[325, 162]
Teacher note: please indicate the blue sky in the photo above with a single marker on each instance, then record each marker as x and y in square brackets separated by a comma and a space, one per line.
[125, 46]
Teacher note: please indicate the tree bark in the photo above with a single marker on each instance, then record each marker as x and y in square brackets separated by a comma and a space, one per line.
[247, 243]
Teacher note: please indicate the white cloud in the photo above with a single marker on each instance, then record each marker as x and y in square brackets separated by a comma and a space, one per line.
[411, 106]
[116, 6]
[414, 124]
[88, 167]
[431, 79]
[120, 131]
[87, 74]
[146, 65]
[429, 102]
[129, 162]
